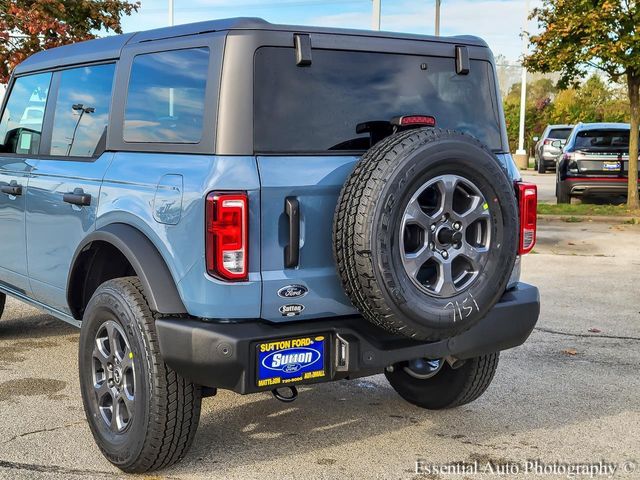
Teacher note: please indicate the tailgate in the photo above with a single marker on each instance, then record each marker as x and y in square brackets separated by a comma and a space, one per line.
[309, 288]
[614, 164]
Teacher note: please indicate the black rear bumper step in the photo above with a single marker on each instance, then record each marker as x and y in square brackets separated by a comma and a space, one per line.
[223, 355]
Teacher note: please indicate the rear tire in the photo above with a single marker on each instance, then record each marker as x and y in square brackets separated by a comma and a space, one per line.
[422, 210]
[541, 167]
[142, 414]
[448, 388]
[3, 299]
[562, 194]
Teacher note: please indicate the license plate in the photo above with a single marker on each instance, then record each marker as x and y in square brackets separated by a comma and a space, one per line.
[291, 360]
[611, 166]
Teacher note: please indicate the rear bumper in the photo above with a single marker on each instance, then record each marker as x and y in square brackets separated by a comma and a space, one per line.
[596, 186]
[223, 355]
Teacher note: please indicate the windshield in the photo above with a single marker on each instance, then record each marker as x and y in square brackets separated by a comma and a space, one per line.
[317, 108]
[603, 140]
[559, 133]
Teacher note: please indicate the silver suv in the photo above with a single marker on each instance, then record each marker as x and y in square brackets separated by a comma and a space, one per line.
[546, 154]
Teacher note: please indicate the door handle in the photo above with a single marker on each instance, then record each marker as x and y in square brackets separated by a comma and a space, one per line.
[292, 251]
[78, 197]
[14, 190]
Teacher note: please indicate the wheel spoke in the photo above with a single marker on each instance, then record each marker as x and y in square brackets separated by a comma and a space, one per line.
[100, 355]
[122, 413]
[111, 332]
[414, 214]
[446, 286]
[414, 261]
[478, 210]
[127, 358]
[128, 402]
[473, 255]
[447, 186]
[103, 389]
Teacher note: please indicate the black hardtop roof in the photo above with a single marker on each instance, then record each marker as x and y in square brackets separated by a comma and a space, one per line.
[109, 48]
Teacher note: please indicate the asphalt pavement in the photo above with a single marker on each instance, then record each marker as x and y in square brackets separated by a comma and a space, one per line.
[569, 396]
[546, 183]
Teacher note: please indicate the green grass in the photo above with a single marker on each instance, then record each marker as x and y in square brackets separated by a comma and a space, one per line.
[581, 209]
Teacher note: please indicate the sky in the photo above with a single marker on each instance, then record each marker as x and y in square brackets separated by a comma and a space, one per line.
[499, 22]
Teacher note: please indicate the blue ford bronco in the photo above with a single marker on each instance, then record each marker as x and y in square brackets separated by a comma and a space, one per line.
[253, 207]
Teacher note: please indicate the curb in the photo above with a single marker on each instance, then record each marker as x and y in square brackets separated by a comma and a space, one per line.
[589, 218]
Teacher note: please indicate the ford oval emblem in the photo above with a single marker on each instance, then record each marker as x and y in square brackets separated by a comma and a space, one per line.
[293, 291]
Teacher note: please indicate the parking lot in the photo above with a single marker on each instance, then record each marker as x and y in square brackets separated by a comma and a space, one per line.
[568, 395]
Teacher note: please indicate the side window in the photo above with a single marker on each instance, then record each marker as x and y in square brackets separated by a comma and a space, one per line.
[166, 97]
[82, 110]
[21, 123]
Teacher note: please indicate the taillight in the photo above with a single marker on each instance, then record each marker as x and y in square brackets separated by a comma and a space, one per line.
[226, 235]
[528, 200]
[547, 142]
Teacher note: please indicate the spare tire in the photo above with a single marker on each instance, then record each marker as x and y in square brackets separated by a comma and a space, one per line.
[425, 233]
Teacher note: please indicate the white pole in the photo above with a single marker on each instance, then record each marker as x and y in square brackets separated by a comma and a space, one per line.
[523, 88]
[438, 18]
[171, 20]
[375, 19]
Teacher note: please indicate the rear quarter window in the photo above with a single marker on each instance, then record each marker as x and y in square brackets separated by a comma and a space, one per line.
[317, 108]
[166, 97]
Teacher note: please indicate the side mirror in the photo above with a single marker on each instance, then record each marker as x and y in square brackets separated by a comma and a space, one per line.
[535, 139]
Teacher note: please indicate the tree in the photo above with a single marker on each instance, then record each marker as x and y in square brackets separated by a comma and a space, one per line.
[578, 35]
[539, 107]
[28, 26]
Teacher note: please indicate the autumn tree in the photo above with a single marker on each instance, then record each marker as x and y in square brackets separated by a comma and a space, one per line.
[28, 26]
[578, 35]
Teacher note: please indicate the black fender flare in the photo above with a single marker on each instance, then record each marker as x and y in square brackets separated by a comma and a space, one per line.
[156, 279]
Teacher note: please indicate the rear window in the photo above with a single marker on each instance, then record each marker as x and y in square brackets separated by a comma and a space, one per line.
[602, 140]
[317, 108]
[560, 133]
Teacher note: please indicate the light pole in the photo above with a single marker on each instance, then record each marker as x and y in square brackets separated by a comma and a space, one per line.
[375, 18]
[78, 107]
[522, 158]
[171, 94]
[438, 17]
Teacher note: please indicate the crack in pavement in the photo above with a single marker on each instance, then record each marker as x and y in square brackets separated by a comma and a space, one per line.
[42, 430]
[584, 335]
[32, 467]
[85, 473]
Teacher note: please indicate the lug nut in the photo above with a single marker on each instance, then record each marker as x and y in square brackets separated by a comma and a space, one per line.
[444, 217]
[431, 246]
[433, 228]
[445, 254]
[457, 226]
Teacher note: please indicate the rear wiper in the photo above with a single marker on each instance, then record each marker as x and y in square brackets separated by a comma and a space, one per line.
[377, 129]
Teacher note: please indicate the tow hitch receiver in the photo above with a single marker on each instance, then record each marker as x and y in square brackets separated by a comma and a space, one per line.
[293, 394]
